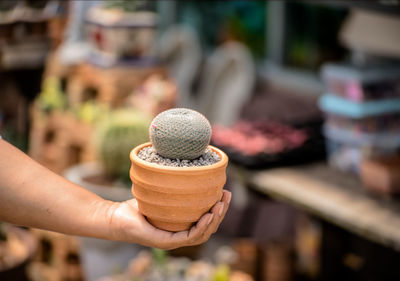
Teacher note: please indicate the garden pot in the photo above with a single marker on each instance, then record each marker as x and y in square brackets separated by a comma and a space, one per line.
[174, 198]
[92, 177]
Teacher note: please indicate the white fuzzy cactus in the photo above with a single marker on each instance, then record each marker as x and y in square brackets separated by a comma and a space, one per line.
[180, 133]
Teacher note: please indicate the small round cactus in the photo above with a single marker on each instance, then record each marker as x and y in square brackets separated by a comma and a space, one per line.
[180, 133]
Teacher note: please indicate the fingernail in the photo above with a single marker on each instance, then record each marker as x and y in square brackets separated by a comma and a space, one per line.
[221, 210]
[229, 199]
[210, 219]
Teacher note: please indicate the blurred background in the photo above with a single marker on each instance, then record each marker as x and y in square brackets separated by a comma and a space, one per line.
[303, 96]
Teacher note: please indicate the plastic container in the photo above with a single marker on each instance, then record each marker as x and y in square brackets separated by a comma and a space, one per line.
[346, 148]
[368, 117]
[337, 105]
[361, 84]
[376, 124]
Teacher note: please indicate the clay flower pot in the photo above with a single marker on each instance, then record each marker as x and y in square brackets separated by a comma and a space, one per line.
[173, 198]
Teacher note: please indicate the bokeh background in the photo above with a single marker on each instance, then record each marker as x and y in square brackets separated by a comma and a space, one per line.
[303, 96]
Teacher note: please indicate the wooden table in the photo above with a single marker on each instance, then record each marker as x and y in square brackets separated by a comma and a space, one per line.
[335, 197]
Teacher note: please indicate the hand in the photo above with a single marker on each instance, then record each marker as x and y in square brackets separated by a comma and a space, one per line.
[128, 224]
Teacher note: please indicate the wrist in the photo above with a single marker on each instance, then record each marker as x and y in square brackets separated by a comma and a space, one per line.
[103, 220]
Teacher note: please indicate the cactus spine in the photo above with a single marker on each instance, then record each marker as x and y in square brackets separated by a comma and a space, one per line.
[180, 133]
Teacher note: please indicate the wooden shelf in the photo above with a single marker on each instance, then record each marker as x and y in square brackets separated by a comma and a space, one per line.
[336, 197]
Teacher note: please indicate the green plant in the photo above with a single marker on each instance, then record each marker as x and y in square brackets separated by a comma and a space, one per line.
[51, 97]
[91, 112]
[160, 257]
[180, 133]
[116, 136]
[222, 273]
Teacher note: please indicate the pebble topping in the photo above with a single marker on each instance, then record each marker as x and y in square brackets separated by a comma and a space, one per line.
[149, 154]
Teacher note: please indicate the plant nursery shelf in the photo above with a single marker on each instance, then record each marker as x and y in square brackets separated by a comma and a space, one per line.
[333, 196]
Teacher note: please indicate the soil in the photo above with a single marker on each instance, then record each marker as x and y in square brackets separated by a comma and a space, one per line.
[149, 154]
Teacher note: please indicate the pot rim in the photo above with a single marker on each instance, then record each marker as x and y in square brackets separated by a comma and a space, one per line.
[161, 168]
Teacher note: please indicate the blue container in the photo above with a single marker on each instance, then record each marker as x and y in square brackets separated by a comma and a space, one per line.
[330, 103]
[368, 117]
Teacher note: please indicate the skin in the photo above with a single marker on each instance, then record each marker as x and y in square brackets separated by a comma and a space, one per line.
[33, 196]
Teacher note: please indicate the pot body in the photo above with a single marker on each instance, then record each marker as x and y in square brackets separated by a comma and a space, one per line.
[174, 198]
[80, 173]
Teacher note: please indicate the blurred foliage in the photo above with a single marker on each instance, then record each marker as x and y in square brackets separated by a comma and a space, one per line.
[51, 97]
[159, 256]
[91, 112]
[130, 5]
[217, 21]
[312, 34]
[11, 135]
[311, 29]
[222, 273]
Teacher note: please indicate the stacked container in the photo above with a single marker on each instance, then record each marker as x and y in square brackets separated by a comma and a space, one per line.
[362, 108]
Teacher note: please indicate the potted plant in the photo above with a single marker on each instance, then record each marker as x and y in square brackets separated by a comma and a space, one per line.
[178, 176]
[114, 138]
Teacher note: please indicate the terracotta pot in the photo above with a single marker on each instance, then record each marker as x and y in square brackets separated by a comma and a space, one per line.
[174, 198]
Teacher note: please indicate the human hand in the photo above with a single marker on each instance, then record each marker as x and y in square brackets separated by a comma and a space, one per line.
[128, 224]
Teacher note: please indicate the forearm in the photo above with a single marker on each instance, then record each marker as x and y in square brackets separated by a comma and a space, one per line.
[31, 195]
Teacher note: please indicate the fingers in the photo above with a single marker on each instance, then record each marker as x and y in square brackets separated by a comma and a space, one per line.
[202, 230]
[193, 236]
[220, 210]
[226, 198]
[196, 232]
[217, 214]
